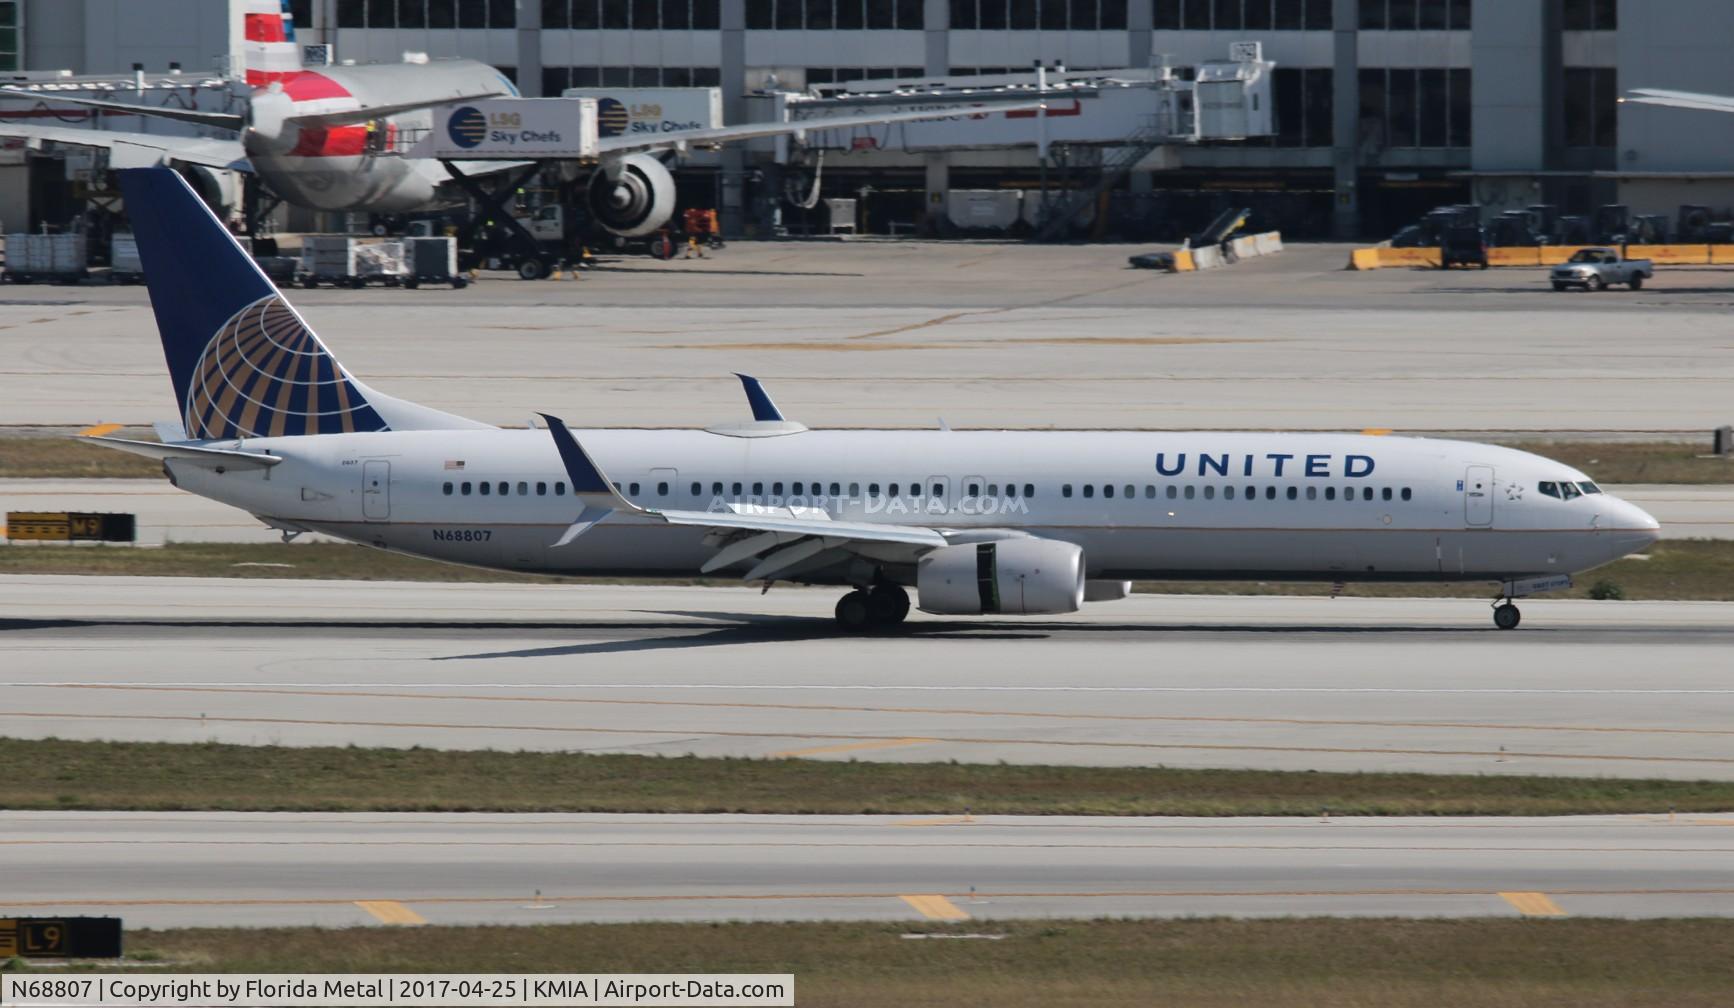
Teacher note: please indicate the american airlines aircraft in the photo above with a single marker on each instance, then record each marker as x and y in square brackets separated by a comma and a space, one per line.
[332, 138]
[976, 522]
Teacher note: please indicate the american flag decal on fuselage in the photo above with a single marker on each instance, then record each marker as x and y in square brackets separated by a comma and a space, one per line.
[265, 374]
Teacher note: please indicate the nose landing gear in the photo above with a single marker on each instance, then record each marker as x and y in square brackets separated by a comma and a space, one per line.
[1505, 615]
[882, 606]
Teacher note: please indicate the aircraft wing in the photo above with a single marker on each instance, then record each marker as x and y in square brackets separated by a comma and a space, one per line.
[222, 120]
[1680, 99]
[784, 541]
[139, 150]
[748, 131]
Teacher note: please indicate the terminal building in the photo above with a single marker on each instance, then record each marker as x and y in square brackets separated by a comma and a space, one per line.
[1384, 108]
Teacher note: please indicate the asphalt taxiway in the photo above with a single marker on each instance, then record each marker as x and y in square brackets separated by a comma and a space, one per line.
[1630, 689]
[900, 334]
[224, 869]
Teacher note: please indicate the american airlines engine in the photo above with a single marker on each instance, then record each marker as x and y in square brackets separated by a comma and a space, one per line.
[1004, 523]
[631, 196]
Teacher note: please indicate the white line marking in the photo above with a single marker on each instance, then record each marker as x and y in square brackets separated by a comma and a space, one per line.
[860, 687]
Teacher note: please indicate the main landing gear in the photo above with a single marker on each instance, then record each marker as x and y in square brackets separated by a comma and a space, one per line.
[881, 606]
[1505, 615]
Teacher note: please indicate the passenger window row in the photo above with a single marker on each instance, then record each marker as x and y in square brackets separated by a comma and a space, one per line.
[502, 489]
[1229, 492]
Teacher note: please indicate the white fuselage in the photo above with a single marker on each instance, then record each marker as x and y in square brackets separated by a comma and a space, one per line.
[1141, 505]
[358, 167]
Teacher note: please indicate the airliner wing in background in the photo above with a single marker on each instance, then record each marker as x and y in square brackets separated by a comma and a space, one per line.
[785, 541]
[1680, 99]
[749, 131]
[139, 150]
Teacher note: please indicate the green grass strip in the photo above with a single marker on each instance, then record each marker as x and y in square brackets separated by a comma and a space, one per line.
[217, 777]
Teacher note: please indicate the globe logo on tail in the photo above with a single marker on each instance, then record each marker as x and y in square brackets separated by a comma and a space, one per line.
[467, 127]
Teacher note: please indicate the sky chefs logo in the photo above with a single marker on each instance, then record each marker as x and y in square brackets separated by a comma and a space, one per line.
[467, 127]
[611, 117]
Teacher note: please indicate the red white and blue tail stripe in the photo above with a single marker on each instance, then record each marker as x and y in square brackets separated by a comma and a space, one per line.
[271, 52]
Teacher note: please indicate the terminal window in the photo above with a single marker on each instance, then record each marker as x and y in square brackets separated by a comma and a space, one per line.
[1591, 15]
[427, 13]
[1408, 15]
[1595, 122]
[10, 42]
[1238, 15]
[794, 15]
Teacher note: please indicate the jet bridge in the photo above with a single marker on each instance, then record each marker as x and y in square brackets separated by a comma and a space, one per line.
[1228, 100]
[1096, 126]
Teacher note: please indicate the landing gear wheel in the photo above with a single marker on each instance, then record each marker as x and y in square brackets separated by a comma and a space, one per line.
[854, 612]
[1506, 616]
[532, 269]
[887, 605]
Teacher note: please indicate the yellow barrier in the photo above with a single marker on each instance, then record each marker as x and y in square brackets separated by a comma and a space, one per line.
[1364, 259]
[1183, 261]
[1545, 255]
[1521, 256]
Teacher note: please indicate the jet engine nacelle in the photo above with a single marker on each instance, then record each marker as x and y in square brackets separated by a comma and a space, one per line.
[631, 196]
[1018, 577]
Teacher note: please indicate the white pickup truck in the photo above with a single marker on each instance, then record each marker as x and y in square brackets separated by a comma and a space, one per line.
[1595, 268]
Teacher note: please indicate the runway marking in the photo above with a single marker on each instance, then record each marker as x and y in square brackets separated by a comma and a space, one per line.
[392, 912]
[100, 429]
[849, 747]
[863, 709]
[921, 687]
[1533, 904]
[962, 820]
[1503, 754]
[935, 907]
[788, 896]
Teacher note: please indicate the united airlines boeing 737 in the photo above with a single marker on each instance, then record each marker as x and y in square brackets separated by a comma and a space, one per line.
[975, 522]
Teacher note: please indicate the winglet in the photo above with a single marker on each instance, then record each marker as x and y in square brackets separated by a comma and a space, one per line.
[589, 484]
[587, 479]
[759, 399]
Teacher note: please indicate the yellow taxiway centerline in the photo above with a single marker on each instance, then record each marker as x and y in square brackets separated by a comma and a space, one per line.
[392, 912]
[935, 907]
[1533, 904]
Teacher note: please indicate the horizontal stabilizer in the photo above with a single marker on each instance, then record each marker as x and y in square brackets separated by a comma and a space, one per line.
[197, 453]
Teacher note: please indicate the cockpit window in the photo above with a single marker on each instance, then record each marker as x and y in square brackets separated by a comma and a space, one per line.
[1589, 488]
[1569, 490]
[1550, 489]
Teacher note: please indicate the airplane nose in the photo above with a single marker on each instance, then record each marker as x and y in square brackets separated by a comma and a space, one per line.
[1637, 526]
